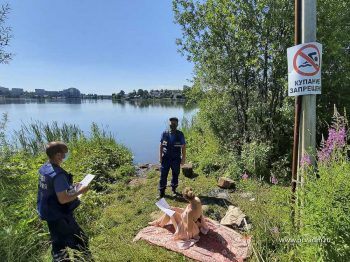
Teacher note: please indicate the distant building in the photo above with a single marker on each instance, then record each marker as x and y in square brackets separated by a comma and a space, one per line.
[4, 91]
[71, 93]
[40, 92]
[155, 93]
[52, 93]
[17, 91]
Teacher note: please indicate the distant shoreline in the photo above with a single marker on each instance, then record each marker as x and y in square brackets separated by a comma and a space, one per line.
[91, 98]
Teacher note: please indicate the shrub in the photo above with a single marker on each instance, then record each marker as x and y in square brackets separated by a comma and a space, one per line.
[281, 169]
[203, 148]
[255, 158]
[233, 169]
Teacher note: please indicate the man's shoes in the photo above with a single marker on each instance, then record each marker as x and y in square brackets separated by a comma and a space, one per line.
[161, 195]
[174, 193]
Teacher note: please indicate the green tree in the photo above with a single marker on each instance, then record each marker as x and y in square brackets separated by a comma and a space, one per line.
[333, 31]
[239, 52]
[120, 95]
[5, 34]
[145, 94]
[140, 92]
[132, 94]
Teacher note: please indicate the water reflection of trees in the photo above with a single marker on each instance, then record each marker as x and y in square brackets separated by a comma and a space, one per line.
[146, 103]
[73, 100]
[40, 100]
[141, 103]
[13, 101]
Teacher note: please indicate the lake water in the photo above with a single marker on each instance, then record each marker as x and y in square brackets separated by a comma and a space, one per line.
[138, 125]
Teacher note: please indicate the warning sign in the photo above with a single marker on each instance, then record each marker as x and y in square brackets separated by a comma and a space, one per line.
[304, 69]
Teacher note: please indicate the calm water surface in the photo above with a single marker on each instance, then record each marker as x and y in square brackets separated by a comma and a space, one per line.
[137, 125]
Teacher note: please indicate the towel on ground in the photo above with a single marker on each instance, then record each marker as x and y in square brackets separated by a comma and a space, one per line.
[219, 244]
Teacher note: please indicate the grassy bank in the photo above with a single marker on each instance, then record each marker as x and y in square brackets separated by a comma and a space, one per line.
[120, 203]
[130, 207]
[115, 209]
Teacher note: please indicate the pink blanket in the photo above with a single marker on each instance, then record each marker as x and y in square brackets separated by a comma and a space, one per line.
[220, 244]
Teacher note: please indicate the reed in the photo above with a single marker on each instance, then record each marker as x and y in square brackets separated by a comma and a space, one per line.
[34, 136]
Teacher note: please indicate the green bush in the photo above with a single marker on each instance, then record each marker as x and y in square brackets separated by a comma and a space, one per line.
[281, 169]
[203, 148]
[255, 158]
[233, 168]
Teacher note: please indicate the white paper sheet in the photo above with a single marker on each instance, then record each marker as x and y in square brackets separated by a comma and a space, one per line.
[85, 182]
[87, 179]
[164, 206]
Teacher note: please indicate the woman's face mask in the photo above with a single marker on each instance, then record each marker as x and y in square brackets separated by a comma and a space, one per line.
[66, 155]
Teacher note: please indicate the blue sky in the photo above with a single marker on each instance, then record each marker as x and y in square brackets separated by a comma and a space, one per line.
[96, 46]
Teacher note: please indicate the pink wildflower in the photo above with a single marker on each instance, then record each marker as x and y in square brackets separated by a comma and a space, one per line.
[336, 139]
[305, 161]
[245, 176]
[273, 180]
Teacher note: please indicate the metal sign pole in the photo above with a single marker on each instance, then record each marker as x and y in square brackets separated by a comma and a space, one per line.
[305, 107]
[298, 101]
[307, 139]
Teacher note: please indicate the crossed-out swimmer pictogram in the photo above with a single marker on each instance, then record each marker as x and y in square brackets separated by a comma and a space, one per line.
[311, 66]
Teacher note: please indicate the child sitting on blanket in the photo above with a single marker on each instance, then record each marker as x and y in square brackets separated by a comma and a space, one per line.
[187, 222]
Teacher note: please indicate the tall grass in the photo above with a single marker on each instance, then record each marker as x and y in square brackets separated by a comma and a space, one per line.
[4, 144]
[325, 196]
[34, 136]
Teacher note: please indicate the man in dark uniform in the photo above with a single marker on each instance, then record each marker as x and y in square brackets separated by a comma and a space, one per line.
[57, 198]
[172, 154]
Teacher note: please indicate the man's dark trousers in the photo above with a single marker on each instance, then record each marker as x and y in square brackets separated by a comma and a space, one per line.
[167, 164]
[65, 232]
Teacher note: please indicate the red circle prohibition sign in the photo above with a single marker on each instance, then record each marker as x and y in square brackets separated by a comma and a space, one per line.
[308, 59]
